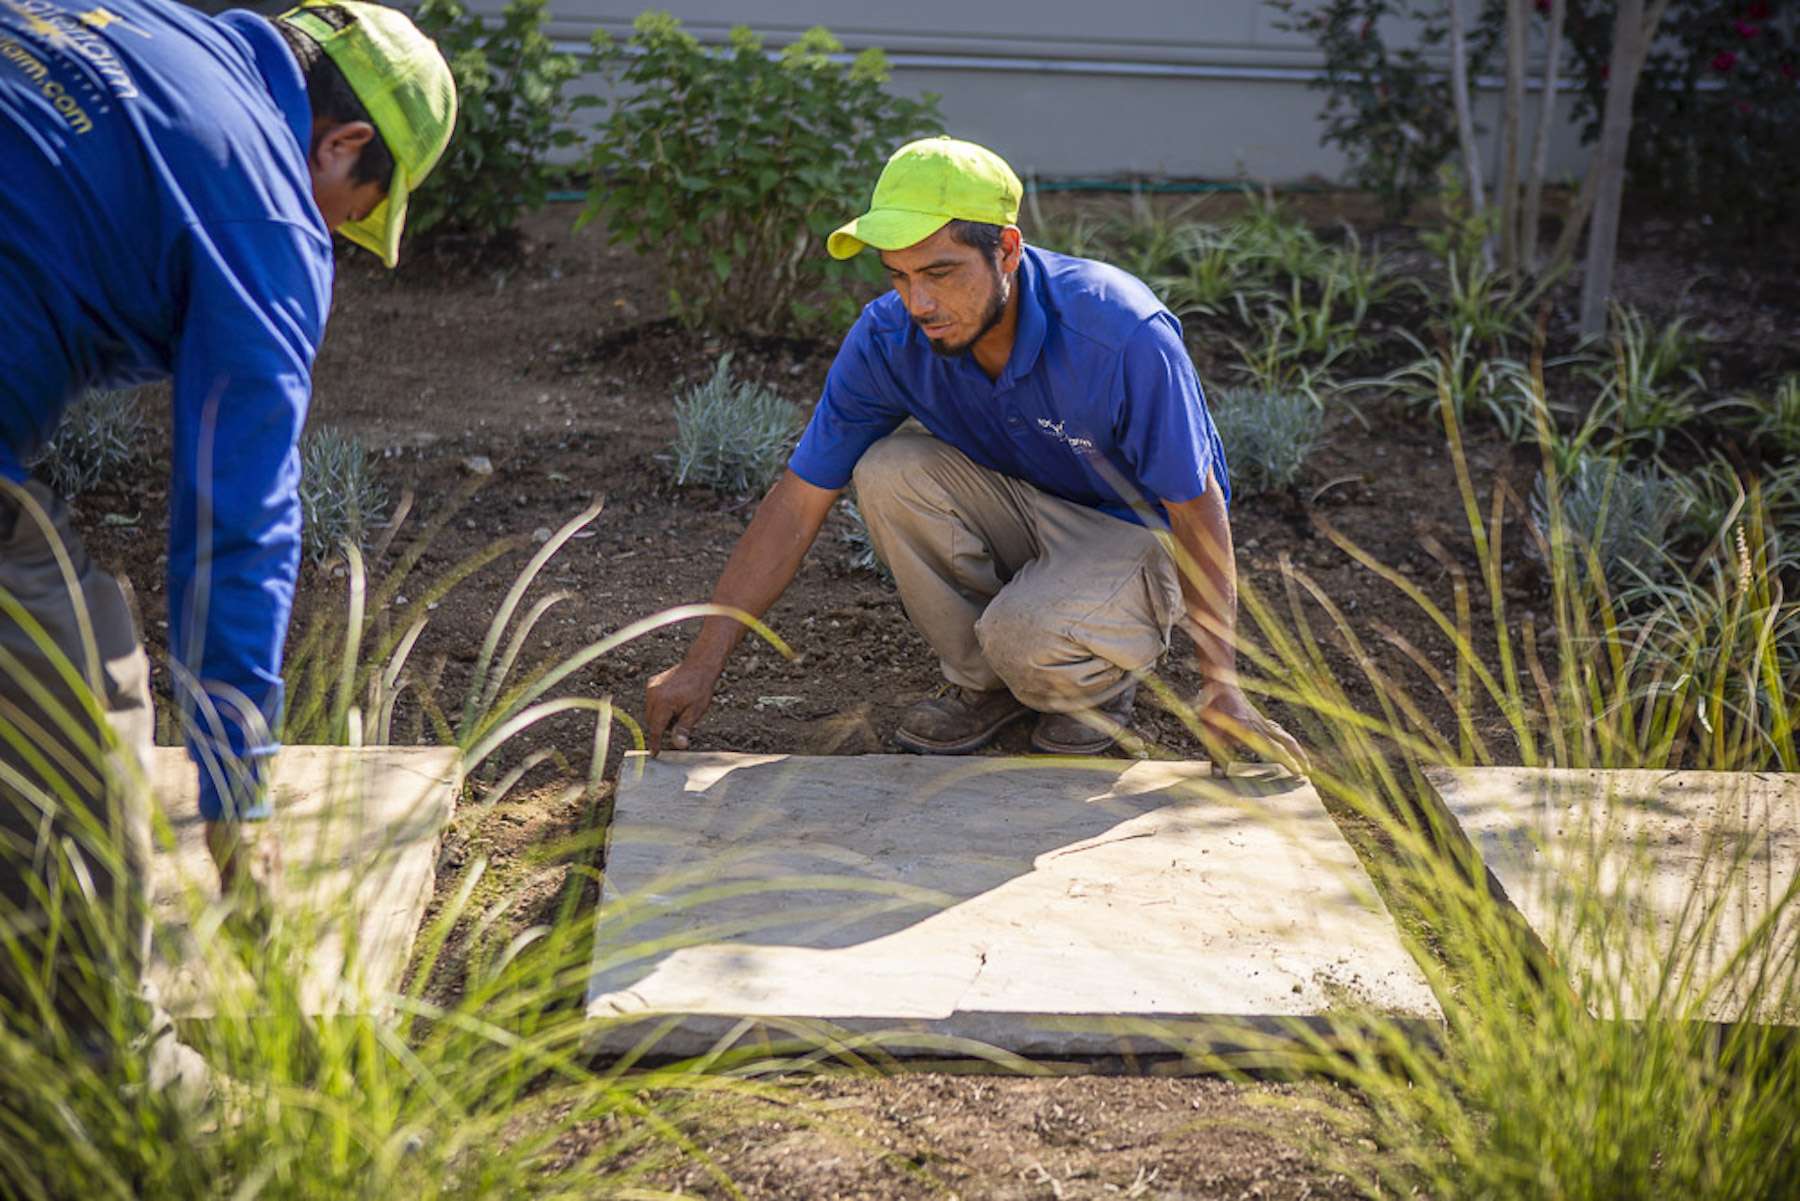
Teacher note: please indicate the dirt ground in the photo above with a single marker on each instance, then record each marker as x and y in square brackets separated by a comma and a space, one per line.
[963, 1138]
[559, 370]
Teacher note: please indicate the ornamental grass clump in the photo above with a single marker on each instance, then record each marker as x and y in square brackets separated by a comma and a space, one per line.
[472, 1076]
[1628, 1044]
[1773, 423]
[733, 435]
[101, 434]
[1268, 436]
[1650, 382]
[1209, 274]
[341, 498]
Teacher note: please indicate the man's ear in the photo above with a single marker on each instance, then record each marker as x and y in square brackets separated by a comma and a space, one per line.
[1012, 248]
[339, 145]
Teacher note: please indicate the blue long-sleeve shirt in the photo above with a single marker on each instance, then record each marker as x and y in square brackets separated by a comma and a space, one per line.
[157, 221]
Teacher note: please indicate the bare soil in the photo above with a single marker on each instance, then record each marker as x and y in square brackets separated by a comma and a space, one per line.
[560, 370]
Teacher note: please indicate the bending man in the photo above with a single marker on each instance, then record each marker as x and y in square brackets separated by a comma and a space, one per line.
[171, 183]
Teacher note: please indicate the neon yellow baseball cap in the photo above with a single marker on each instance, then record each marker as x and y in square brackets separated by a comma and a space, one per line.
[926, 185]
[402, 79]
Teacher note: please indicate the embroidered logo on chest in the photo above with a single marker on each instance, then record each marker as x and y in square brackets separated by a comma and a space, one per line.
[1075, 442]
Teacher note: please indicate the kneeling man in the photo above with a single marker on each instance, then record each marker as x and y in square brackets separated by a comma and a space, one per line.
[1058, 465]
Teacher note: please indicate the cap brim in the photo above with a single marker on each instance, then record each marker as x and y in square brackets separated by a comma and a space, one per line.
[884, 229]
[379, 232]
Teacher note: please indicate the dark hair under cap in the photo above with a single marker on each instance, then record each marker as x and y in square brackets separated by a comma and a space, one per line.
[333, 100]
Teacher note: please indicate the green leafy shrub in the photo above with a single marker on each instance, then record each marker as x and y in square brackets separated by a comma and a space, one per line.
[1274, 360]
[1362, 277]
[1479, 302]
[1268, 436]
[101, 433]
[1386, 107]
[732, 435]
[340, 498]
[511, 114]
[729, 167]
[1149, 242]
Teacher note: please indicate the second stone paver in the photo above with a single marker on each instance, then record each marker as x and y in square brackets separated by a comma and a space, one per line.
[1652, 888]
[1043, 907]
[359, 830]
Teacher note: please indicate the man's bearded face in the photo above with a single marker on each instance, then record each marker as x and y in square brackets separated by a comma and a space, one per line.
[954, 293]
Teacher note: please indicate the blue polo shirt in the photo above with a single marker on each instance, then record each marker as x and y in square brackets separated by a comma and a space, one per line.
[157, 221]
[1098, 403]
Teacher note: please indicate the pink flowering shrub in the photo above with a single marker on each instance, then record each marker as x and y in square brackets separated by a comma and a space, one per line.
[1716, 122]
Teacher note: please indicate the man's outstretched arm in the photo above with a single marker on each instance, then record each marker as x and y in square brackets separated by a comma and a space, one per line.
[1208, 568]
[762, 565]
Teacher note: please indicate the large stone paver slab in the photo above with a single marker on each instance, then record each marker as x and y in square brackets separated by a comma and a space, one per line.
[359, 832]
[1043, 907]
[1621, 873]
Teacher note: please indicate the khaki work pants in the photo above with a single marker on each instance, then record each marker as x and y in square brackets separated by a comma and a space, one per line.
[74, 797]
[1014, 587]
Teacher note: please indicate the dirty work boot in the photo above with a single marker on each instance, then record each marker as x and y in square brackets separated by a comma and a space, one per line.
[1087, 731]
[959, 721]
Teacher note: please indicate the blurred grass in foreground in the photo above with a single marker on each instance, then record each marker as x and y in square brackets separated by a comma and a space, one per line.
[487, 1093]
[1533, 1090]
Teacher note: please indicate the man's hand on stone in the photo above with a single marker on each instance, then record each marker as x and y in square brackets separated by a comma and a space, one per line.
[249, 863]
[1228, 719]
[674, 703]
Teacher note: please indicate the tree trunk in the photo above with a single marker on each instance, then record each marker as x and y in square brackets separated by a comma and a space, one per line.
[1630, 40]
[1507, 192]
[1574, 222]
[1465, 118]
[1540, 145]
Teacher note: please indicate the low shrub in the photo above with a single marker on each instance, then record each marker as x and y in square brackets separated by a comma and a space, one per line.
[1277, 243]
[1209, 275]
[511, 114]
[729, 166]
[1479, 302]
[1268, 436]
[862, 548]
[1650, 384]
[341, 499]
[733, 435]
[1362, 277]
[1774, 423]
[1619, 518]
[101, 433]
[1458, 371]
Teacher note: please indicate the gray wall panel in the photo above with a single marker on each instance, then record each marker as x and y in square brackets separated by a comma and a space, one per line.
[1197, 88]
